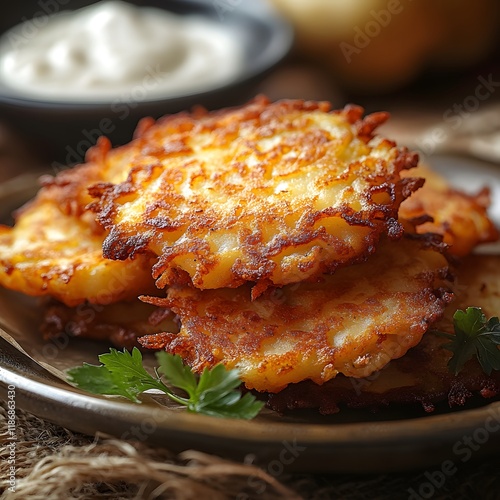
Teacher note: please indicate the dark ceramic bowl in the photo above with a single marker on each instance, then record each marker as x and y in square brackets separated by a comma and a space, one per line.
[64, 130]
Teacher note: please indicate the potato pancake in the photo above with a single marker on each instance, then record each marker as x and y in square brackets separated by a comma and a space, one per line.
[55, 247]
[352, 322]
[421, 375]
[272, 193]
[460, 218]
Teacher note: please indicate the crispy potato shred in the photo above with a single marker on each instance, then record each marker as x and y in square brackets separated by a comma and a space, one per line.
[283, 239]
[422, 375]
[461, 219]
[55, 247]
[268, 193]
[352, 322]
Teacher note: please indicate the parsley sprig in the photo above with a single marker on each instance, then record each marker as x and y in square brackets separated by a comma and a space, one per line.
[215, 392]
[475, 335]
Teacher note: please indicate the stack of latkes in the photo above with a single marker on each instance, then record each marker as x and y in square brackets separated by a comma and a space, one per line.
[282, 239]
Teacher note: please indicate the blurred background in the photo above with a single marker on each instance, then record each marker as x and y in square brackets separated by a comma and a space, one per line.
[431, 63]
[380, 46]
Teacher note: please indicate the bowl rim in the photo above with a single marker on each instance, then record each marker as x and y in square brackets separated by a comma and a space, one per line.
[259, 12]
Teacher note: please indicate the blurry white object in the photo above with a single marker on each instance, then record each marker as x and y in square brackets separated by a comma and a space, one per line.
[112, 47]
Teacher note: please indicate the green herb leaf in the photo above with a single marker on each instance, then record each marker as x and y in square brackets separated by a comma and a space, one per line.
[99, 380]
[121, 374]
[215, 392]
[474, 336]
[176, 372]
[246, 407]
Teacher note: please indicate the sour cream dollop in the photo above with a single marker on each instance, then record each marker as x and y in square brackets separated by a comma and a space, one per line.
[111, 48]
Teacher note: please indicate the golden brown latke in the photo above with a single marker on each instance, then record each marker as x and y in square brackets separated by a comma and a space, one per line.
[460, 218]
[421, 375]
[272, 193]
[55, 247]
[353, 322]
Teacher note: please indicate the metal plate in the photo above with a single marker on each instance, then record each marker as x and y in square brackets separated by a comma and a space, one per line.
[352, 441]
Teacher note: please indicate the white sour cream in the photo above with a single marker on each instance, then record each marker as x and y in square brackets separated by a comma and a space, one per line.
[111, 48]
